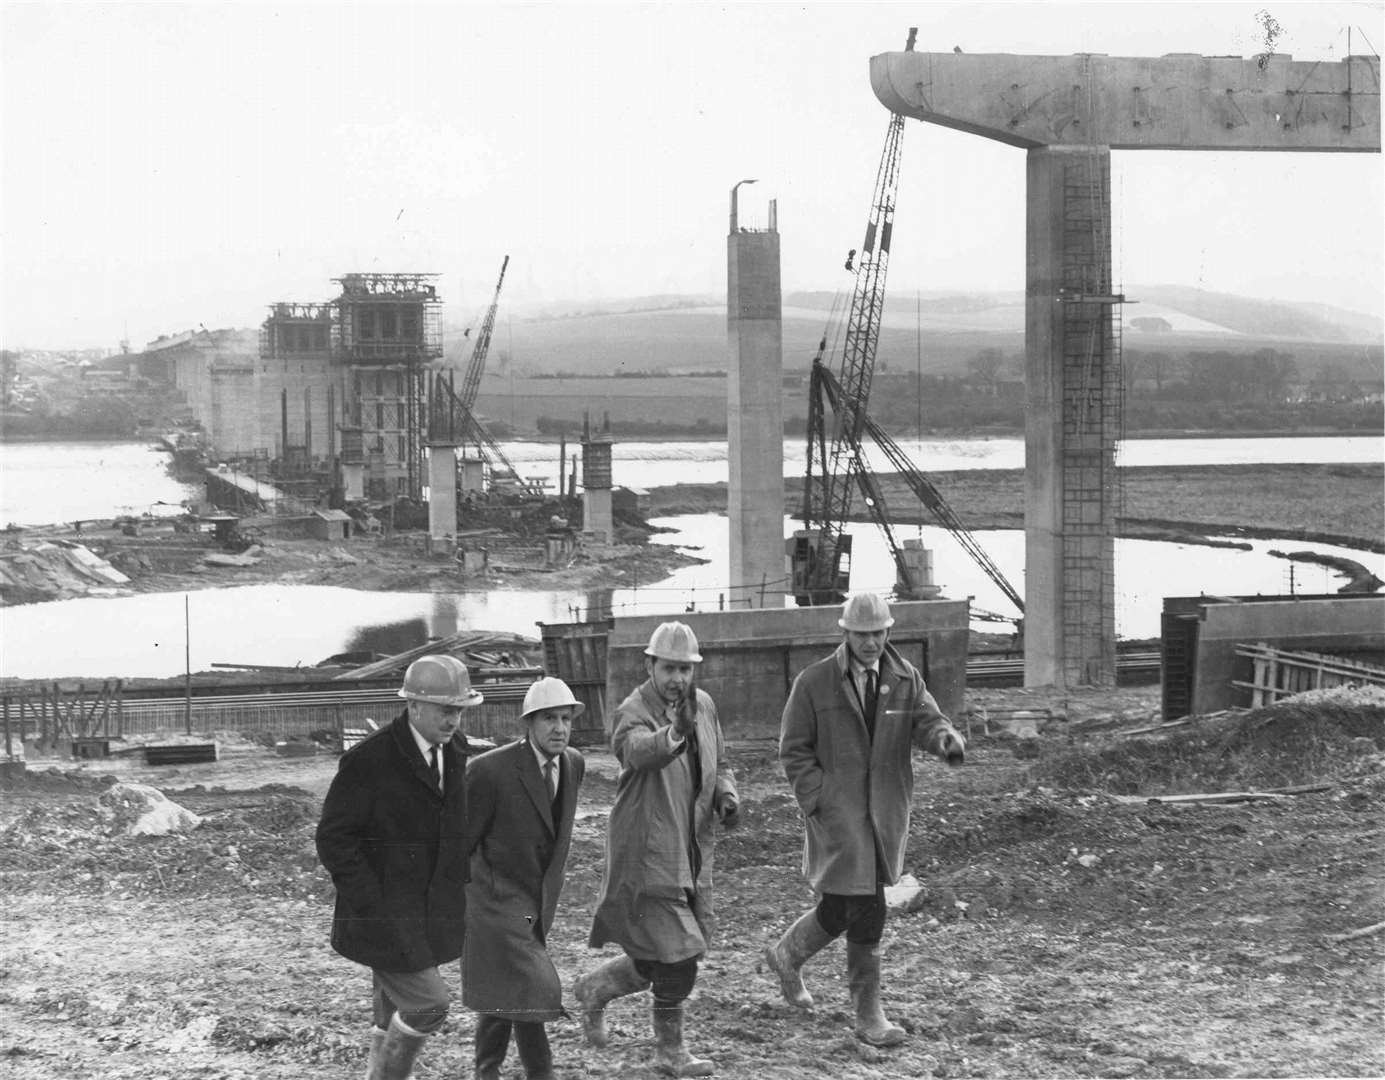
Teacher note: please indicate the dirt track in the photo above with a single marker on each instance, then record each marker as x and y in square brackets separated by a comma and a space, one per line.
[1069, 927]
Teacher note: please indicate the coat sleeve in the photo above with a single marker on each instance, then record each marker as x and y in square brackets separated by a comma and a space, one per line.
[480, 807]
[640, 743]
[798, 738]
[929, 722]
[341, 834]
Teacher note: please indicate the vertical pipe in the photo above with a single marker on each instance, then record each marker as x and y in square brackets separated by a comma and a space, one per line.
[283, 426]
[308, 426]
[187, 666]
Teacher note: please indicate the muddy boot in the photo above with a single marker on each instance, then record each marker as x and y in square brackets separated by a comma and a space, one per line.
[863, 977]
[398, 1051]
[803, 940]
[672, 1057]
[615, 978]
[377, 1037]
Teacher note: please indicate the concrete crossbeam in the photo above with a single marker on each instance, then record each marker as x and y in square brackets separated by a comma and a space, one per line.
[1182, 101]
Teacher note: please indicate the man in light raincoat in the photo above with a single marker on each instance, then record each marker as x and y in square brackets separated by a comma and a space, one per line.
[846, 743]
[656, 892]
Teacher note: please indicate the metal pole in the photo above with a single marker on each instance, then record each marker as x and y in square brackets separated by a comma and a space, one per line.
[187, 667]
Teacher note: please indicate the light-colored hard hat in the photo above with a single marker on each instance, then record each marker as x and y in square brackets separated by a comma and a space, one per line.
[866, 612]
[550, 693]
[441, 680]
[674, 641]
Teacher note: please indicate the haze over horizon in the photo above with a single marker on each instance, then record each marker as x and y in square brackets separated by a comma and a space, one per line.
[175, 165]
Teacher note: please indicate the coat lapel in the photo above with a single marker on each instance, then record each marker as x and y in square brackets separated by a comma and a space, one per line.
[532, 781]
[418, 764]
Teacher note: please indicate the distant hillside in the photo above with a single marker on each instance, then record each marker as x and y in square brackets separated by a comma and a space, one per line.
[688, 333]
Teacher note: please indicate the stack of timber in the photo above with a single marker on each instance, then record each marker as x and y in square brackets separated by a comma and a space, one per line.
[486, 655]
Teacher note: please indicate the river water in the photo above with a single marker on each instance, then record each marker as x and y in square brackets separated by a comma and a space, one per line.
[146, 635]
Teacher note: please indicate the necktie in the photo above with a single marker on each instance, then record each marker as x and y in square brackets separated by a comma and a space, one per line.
[550, 776]
[435, 760]
[868, 699]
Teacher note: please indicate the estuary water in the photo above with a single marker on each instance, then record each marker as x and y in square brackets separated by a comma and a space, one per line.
[146, 635]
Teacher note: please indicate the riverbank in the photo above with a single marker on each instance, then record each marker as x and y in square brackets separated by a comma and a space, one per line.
[161, 560]
[1342, 505]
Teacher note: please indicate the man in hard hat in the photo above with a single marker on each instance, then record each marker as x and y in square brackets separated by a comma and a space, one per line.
[846, 740]
[520, 803]
[392, 838]
[656, 891]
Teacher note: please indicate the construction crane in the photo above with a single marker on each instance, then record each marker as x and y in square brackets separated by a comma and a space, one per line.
[471, 384]
[453, 416]
[820, 553]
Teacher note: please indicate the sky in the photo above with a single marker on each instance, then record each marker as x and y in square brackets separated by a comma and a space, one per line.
[170, 165]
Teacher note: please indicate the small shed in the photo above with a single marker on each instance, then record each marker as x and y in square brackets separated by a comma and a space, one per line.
[330, 525]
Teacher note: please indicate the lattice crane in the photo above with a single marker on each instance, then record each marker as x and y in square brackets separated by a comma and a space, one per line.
[821, 556]
[453, 416]
[821, 552]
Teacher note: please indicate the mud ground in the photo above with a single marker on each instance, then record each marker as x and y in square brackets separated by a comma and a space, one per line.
[1069, 926]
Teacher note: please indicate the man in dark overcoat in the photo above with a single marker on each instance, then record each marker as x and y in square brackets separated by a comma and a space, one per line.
[392, 838]
[521, 801]
[846, 742]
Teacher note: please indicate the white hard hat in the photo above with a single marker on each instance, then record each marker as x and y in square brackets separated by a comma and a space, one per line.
[674, 641]
[866, 612]
[441, 680]
[550, 693]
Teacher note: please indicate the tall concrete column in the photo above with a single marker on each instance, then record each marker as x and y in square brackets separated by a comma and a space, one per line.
[597, 521]
[1073, 395]
[442, 489]
[755, 415]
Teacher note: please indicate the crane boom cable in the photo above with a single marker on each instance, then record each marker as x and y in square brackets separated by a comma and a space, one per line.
[927, 493]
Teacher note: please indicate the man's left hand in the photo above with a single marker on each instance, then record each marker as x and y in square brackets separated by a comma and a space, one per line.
[730, 812]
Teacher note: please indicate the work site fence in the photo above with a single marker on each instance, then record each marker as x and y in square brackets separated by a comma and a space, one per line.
[282, 714]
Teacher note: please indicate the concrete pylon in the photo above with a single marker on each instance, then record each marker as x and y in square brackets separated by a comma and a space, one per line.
[442, 490]
[1069, 113]
[597, 520]
[755, 414]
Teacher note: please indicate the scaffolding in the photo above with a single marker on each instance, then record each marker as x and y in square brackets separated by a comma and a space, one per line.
[1092, 422]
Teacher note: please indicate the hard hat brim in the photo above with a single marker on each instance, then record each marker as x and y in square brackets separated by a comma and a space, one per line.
[472, 697]
[866, 629]
[576, 706]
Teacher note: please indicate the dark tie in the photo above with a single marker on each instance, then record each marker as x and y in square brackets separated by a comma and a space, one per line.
[868, 700]
[435, 761]
[555, 805]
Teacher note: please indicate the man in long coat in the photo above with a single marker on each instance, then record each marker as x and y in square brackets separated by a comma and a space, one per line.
[391, 836]
[656, 891]
[846, 740]
[521, 801]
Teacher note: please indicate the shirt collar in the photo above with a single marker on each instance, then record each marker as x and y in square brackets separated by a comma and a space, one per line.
[857, 668]
[424, 746]
[538, 754]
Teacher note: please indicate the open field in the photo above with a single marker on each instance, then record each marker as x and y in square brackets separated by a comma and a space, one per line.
[1068, 927]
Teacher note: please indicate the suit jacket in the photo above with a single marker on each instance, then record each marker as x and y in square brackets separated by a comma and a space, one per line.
[394, 846]
[517, 857]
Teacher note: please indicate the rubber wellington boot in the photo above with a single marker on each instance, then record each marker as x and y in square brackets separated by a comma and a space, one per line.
[377, 1037]
[802, 941]
[594, 991]
[398, 1051]
[863, 977]
[672, 1057]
